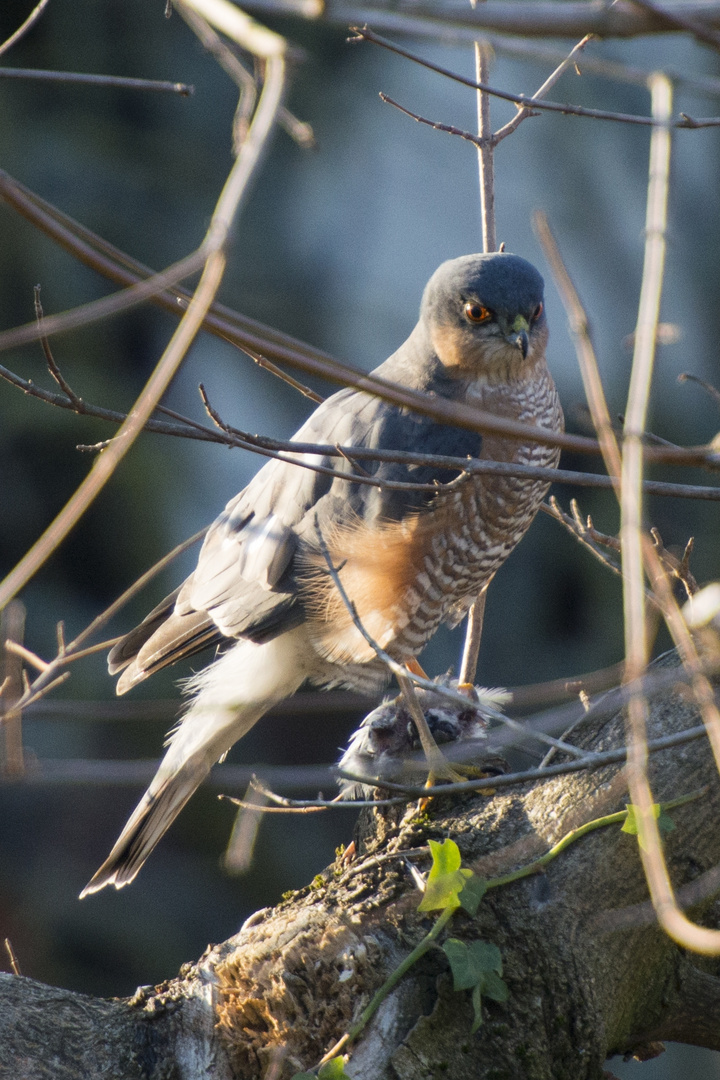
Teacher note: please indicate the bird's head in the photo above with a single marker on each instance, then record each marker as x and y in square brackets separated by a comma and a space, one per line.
[485, 316]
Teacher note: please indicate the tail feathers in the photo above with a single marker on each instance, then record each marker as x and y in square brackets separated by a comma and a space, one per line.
[228, 697]
[150, 821]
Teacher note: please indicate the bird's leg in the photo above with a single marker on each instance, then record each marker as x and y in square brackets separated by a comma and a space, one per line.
[471, 650]
[439, 768]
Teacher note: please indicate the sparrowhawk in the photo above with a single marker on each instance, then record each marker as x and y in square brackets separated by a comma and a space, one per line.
[408, 559]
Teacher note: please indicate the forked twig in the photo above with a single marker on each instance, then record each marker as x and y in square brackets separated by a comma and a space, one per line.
[534, 103]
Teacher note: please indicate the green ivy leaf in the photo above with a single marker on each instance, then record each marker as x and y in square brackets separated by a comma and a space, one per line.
[472, 893]
[333, 1070]
[494, 987]
[476, 966]
[632, 827]
[470, 963]
[446, 879]
[463, 972]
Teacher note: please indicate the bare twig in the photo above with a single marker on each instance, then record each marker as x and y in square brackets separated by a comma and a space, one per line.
[241, 845]
[450, 31]
[677, 568]
[24, 27]
[580, 530]
[301, 132]
[580, 330]
[72, 397]
[524, 113]
[534, 103]
[213, 258]
[486, 166]
[14, 966]
[643, 550]
[268, 447]
[711, 390]
[700, 31]
[486, 162]
[671, 918]
[569, 19]
[120, 82]
[254, 337]
[434, 124]
[12, 627]
[17, 649]
[73, 650]
[59, 771]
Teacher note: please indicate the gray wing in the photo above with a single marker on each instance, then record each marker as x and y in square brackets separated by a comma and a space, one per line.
[244, 584]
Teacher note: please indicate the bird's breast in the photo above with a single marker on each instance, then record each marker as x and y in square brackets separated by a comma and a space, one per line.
[402, 578]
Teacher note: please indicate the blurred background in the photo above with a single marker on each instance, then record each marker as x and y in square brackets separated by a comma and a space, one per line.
[334, 247]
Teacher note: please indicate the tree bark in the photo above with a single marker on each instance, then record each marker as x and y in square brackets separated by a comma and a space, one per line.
[589, 971]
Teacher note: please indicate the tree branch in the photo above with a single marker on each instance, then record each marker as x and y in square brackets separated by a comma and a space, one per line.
[294, 979]
[543, 18]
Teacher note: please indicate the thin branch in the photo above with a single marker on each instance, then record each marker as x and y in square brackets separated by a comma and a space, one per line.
[12, 627]
[677, 18]
[581, 531]
[14, 966]
[441, 28]
[213, 257]
[25, 654]
[434, 124]
[118, 266]
[595, 66]
[587, 359]
[140, 772]
[119, 81]
[486, 163]
[298, 130]
[671, 918]
[227, 435]
[569, 61]
[534, 103]
[49, 358]
[24, 27]
[540, 19]
[253, 337]
[73, 651]
[711, 390]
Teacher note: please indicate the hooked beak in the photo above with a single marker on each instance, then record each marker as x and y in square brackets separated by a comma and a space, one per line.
[519, 335]
[520, 341]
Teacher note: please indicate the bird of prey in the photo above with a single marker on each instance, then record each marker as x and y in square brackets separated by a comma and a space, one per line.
[408, 559]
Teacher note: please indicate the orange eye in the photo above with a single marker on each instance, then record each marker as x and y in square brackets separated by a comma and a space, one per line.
[538, 311]
[476, 312]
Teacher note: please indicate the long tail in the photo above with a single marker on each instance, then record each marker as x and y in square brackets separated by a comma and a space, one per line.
[230, 696]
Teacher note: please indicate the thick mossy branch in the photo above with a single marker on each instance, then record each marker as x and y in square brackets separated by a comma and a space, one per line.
[589, 972]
